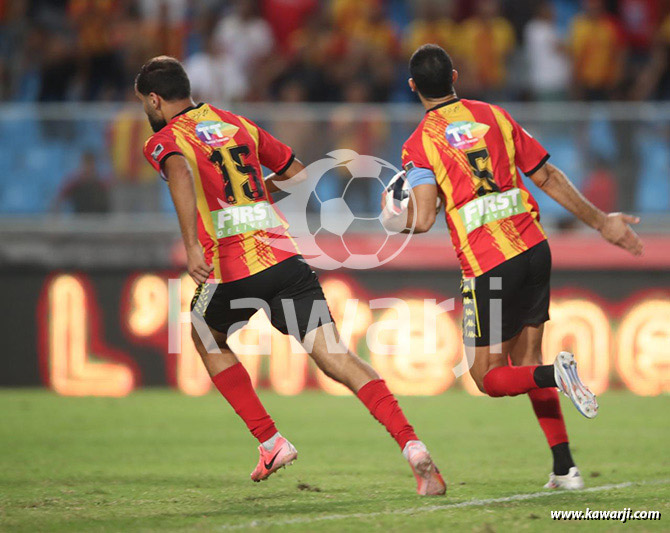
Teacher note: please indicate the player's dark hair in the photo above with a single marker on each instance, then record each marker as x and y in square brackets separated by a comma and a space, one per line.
[431, 69]
[165, 76]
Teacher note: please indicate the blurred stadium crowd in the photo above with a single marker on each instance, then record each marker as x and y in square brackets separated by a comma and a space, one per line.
[338, 50]
[62, 156]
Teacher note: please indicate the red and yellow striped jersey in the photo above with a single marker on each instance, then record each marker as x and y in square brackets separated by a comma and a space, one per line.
[240, 230]
[473, 150]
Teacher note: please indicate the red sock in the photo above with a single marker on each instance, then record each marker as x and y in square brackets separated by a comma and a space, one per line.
[509, 380]
[376, 396]
[235, 385]
[548, 411]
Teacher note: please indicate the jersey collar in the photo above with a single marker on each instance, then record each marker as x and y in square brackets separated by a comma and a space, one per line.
[189, 108]
[448, 102]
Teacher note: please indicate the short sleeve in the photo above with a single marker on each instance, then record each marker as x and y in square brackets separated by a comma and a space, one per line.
[272, 153]
[415, 163]
[530, 155]
[413, 152]
[158, 148]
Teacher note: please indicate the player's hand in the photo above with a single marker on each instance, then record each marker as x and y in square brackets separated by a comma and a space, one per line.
[616, 229]
[198, 268]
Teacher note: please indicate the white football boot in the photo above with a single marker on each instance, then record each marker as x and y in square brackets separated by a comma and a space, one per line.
[568, 382]
[570, 481]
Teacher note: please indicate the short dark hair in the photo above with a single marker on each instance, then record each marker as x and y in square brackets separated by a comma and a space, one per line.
[165, 76]
[431, 69]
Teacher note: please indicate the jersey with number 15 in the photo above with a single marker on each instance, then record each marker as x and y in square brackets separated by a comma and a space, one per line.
[471, 150]
[241, 232]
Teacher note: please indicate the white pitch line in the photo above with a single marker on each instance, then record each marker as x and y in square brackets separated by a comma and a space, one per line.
[433, 508]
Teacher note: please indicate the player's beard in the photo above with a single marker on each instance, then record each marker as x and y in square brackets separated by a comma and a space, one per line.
[157, 123]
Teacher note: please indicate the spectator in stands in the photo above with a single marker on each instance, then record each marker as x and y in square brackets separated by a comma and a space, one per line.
[654, 80]
[548, 66]
[101, 64]
[285, 17]
[136, 40]
[639, 20]
[246, 37]
[375, 31]
[84, 190]
[597, 49]
[15, 40]
[346, 12]
[370, 49]
[314, 54]
[165, 22]
[87, 49]
[58, 68]
[486, 43]
[433, 23]
[215, 75]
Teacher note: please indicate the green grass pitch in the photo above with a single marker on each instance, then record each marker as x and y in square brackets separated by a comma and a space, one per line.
[160, 461]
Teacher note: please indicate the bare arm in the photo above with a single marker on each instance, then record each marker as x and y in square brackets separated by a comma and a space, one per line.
[420, 214]
[293, 170]
[614, 227]
[182, 190]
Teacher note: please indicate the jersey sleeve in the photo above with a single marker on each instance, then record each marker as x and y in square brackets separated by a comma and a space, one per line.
[530, 155]
[272, 153]
[158, 148]
[418, 170]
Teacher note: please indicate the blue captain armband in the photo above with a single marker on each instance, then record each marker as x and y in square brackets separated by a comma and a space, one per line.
[420, 176]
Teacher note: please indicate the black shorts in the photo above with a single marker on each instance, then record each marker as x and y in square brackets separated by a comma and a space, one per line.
[280, 289]
[516, 290]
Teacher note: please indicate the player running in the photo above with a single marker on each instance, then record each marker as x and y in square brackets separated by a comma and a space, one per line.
[212, 160]
[467, 153]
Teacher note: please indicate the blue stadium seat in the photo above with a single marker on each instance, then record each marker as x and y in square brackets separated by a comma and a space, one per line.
[6, 161]
[91, 135]
[602, 141]
[23, 195]
[653, 183]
